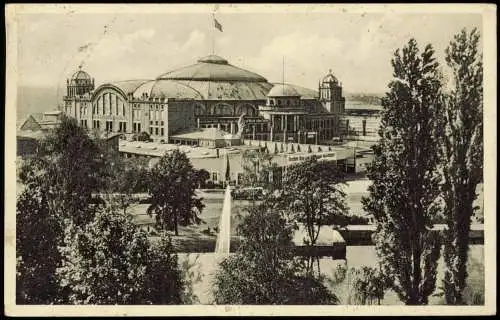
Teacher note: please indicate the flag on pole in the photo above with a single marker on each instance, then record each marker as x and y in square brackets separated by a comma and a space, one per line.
[217, 25]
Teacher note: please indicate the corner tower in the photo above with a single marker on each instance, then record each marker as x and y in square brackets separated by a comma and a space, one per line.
[330, 94]
[77, 101]
[79, 84]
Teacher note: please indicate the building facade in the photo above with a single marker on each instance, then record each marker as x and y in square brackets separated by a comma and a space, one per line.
[208, 94]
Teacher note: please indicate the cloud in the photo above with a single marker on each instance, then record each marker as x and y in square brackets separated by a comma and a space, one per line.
[195, 40]
[113, 44]
[137, 55]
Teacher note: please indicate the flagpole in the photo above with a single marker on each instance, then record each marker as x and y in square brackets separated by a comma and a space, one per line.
[213, 32]
[283, 72]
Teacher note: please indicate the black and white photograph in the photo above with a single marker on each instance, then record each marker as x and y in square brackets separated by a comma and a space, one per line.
[250, 159]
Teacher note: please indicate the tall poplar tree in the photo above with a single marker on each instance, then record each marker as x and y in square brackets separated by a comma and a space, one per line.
[463, 156]
[403, 195]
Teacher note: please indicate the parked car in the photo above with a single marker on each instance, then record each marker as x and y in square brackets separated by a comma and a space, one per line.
[248, 193]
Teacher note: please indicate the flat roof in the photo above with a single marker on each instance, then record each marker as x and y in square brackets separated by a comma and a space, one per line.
[155, 149]
[30, 134]
[203, 134]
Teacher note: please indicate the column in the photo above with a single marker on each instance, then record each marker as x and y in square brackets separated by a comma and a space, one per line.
[165, 123]
[253, 132]
[232, 127]
[286, 128]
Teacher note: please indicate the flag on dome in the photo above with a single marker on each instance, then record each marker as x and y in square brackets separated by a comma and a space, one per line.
[217, 25]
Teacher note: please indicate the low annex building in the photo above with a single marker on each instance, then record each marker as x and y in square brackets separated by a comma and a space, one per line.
[211, 93]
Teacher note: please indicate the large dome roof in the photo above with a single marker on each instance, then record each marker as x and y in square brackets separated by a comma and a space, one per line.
[211, 78]
[283, 90]
[212, 68]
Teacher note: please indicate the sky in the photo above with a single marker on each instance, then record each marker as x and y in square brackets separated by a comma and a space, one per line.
[356, 46]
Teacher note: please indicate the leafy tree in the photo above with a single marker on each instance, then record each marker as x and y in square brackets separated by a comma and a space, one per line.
[102, 262]
[166, 282]
[203, 176]
[405, 178]
[124, 177]
[463, 155]
[59, 181]
[37, 236]
[368, 285]
[264, 271]
[313, 195]
[143, 136]
[72, 166]
[111, 261]
[258, 169]
[172, 188]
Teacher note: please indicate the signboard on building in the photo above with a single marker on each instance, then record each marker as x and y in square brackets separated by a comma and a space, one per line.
[321, 156]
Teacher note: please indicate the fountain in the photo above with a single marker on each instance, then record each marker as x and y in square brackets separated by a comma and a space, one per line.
[224, 236]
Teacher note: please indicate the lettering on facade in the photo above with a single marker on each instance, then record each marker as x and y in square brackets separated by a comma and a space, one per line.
[320, 156]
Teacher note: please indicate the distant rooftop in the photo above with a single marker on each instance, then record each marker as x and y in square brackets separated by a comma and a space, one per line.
[360, 105]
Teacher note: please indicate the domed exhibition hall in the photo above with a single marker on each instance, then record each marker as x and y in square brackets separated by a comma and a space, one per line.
[212, 93]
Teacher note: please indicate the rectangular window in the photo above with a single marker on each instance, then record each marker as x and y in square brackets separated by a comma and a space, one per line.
[161, 131]
[150, 130]
[109, 125]
[156, 131]
[124, 127]
[214, 176]
[138, 127]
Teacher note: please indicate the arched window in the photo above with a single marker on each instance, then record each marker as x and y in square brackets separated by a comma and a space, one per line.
[115, 102]
[223, 109]
[199, 110]
[247, 109]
